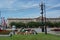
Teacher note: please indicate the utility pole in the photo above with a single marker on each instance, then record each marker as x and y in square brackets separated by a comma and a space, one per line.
[43, 11]
[45, 19]
[42, 20]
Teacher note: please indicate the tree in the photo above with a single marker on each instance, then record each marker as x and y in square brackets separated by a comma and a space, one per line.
[20, 24]
[33, 24]
[30, 24]
[58, 24]
[13, 23]
[49, 24]
[55, 24]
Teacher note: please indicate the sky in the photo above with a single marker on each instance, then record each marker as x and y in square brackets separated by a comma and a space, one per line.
[28, 8]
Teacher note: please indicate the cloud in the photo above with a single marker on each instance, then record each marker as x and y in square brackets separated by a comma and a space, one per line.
[57, 5]
[20, 4]
[29, 6]
[54, 13]
[16, 5]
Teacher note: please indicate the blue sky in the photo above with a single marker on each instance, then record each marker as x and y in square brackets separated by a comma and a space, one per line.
[28, 8]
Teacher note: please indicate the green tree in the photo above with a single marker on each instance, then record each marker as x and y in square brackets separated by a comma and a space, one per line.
[58, 24]
[49, 24]
[34, 24]
[30, 24]
[20, 24]
[55, 24]
[13, 23]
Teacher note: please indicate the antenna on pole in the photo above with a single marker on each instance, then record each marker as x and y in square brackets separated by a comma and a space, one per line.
[42, 12]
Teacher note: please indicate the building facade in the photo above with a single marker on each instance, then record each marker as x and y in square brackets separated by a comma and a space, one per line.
[26, 20]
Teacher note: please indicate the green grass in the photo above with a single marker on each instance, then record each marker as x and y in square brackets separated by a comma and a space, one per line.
[40, 36]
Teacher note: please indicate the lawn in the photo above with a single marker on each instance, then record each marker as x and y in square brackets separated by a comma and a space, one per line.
[40, 36]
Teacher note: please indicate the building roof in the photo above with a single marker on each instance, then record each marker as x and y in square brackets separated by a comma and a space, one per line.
[53, 18]
[32, 18]
[20, 18]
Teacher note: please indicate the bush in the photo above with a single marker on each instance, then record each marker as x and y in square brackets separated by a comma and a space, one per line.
[56, 29]
[18, 24]
[4, 32]
[13, 23]
[33, 24]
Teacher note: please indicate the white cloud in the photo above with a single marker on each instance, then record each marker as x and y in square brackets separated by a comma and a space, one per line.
[54, 13]
[32, 15]
[6, 3]
[15, 5]
[29, 6]
[57, 5]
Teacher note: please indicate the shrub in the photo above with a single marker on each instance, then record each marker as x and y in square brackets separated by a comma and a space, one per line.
[4, 32]
[56, 29]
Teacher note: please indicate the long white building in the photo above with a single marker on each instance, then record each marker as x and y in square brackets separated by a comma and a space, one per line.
[26, 20]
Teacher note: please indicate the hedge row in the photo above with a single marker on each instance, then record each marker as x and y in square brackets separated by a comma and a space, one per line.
[34, 24]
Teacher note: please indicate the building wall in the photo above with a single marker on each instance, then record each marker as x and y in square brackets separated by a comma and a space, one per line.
[53, 19]
[26, 20]
[19, 20]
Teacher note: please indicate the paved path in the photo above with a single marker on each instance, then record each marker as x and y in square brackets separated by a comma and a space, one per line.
[39, 30]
